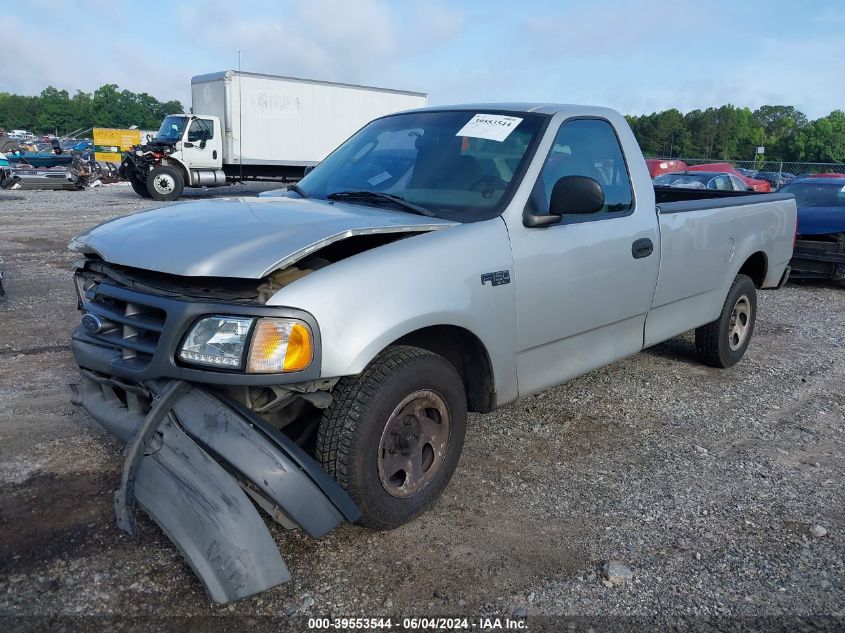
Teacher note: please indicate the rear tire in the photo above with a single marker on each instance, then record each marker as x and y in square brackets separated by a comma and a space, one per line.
[165, 183]
[723, 342]
[140, 188]
[394, 433]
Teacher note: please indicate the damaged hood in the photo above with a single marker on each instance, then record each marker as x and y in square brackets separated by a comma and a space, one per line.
[246, 238]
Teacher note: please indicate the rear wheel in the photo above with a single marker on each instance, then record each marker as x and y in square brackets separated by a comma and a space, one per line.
[140, 188]
[723, 342]
[165, 183]
[394, 433]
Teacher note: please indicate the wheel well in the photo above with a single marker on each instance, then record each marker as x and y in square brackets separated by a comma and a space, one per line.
[181, 169]
[755, 267]
[468, 355]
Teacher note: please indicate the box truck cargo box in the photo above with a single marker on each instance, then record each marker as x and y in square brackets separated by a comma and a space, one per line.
[247, 126]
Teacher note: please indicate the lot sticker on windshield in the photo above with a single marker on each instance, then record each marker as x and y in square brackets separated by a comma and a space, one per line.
[379, 178]
[494, 127]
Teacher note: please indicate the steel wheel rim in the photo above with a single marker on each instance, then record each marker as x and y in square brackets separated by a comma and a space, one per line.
[414, 443]
[164, 183]
[740, 323]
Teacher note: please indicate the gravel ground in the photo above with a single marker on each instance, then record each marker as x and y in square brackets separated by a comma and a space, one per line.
[713, 488]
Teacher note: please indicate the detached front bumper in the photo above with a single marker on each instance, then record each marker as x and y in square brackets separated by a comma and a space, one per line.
[193, 462]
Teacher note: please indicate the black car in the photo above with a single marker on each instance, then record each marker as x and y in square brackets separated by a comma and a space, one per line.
[775, 178]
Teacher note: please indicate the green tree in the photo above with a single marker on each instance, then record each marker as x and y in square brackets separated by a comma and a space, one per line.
[80, 108]
[822, 140]
[780, 124]
[54, 112]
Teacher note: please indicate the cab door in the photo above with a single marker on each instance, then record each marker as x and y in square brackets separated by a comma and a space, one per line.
[585, 285]
[201, 147]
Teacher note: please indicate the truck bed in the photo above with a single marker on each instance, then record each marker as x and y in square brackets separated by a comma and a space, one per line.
[705, 237]
[663, 195]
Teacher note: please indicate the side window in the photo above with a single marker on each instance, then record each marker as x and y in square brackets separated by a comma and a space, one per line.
[722, 183]
[201, 130]
[739, 184]
[587, 147]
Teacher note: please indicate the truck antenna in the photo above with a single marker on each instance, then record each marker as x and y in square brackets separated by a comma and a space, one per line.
[240, 122]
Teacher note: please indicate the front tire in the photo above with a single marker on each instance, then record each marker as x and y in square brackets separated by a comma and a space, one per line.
[723, 342]
[394, 433]
[165, 183]
[140, 188]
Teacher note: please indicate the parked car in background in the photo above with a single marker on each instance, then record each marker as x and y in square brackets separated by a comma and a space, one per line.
[820, 244]
[750, 173]
[760, 186]
[774, 178]
[827, 174]
[658, 167]
[720, 181]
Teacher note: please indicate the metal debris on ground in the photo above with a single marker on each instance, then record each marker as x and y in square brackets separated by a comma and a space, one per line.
[78, 175]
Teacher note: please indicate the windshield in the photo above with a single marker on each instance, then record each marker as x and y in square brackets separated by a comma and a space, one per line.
[460, 165]
[172, 128]
[810, 194]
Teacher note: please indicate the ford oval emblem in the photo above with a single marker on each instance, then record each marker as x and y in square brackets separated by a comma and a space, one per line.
[91, 323]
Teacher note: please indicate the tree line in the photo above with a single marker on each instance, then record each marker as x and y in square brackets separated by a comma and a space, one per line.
[732, 133]
[724, 133]
[56, 112]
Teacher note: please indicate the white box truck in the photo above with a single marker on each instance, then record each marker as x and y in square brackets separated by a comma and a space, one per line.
[247, 126]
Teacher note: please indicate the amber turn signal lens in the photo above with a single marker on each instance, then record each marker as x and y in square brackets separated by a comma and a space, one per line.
[280, 345]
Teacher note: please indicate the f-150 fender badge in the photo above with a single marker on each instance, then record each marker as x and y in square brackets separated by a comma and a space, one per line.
[497, 278]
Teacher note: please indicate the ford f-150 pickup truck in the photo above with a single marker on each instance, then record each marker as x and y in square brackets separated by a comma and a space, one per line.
[315, 353]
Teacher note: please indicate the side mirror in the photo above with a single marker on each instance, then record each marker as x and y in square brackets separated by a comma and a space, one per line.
[202, 144]
[576, 195]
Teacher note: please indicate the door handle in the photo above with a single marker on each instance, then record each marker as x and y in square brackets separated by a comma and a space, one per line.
[642, 248]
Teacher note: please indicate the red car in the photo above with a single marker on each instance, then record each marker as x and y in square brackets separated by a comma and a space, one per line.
[658, 167]
[757, 185]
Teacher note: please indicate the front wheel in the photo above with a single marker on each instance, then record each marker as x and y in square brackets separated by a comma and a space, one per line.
[394, 433]
[723, 342]
[165, 183]
[140, 188]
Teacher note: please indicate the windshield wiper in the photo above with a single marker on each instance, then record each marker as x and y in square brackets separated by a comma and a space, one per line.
[379, 196]
[297, 189]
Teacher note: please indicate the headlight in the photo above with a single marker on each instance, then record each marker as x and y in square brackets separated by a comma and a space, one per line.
[218, 341]
[278, 345]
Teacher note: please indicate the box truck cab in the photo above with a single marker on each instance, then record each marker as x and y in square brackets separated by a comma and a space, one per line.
[246, 126]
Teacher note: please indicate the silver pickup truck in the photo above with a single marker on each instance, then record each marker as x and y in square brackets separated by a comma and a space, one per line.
[314, 353]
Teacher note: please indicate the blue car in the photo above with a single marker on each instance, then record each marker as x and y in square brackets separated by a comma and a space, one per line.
[820, 246]
[85, 148]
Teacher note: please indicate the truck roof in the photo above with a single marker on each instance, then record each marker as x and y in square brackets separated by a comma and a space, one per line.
[226, 74]
[526, 108]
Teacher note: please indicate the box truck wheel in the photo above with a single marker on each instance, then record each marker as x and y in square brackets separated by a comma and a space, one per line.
[165, 183]
[140, 188]
[393, 434]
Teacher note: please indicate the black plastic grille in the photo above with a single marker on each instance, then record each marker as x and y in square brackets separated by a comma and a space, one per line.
[131, 327]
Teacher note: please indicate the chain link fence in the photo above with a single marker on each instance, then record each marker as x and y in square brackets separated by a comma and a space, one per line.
[775, 172]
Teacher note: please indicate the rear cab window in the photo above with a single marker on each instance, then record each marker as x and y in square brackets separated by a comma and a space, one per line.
[587, 147]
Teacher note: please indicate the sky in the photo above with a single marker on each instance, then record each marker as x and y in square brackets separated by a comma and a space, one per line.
[638, 56]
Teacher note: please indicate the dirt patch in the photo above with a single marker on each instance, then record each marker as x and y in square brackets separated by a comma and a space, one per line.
[48, 515]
